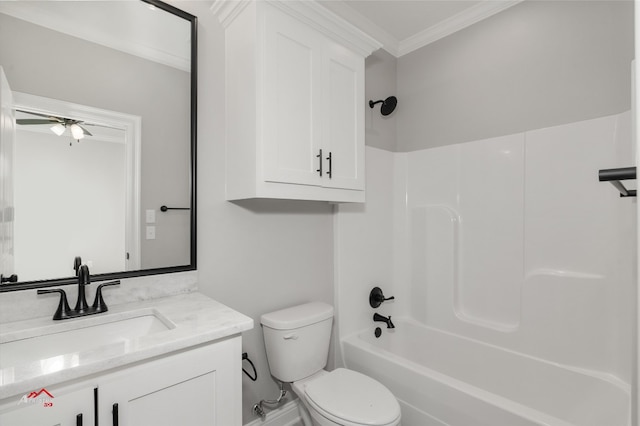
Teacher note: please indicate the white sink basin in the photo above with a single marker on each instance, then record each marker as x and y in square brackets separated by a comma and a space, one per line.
[79, 335]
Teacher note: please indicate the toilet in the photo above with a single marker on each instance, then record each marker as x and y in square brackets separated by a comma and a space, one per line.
[297, 342]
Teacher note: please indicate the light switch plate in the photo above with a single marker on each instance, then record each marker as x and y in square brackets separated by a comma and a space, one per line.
[151, 216]
[151, 232]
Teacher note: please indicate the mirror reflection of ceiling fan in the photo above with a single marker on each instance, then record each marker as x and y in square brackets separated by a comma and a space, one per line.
[59, 124]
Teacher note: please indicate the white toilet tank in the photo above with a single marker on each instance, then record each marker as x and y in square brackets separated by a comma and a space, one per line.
[297, 340]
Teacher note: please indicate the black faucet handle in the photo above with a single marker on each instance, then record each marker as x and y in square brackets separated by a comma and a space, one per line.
[376, 297]
[77, 262]
[63, 306]
[98, 303]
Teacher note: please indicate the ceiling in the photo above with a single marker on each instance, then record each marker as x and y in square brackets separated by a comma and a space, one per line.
[133, 27]
[403, 26]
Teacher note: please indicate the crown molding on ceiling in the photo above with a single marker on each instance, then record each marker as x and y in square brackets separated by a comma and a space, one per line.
[310, 12]
[444, 28]
[453, 24]
[228, 11]
[388, 42]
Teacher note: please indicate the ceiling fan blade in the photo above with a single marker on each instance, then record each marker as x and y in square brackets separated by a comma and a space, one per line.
[30, 121]
[85, 131]
[84, 123]
[49, 116]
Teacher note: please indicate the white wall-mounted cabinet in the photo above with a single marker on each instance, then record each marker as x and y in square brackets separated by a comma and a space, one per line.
[294, 101]
[201, 385]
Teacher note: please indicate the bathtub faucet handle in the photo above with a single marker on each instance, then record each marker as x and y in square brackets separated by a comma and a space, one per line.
[376, 297]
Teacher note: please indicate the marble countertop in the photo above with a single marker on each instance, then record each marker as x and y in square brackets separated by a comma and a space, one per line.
[192, 319]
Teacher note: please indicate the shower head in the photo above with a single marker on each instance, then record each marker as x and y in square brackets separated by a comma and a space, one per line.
[388, 105]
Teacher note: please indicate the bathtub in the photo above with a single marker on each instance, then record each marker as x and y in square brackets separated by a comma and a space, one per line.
[444, 379]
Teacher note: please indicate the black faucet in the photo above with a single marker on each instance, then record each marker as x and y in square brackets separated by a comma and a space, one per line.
[83, 280]
[82, 307]
[378, 317]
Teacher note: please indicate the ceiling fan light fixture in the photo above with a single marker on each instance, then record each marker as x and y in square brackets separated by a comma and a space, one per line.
[58, 129]
[77, 132]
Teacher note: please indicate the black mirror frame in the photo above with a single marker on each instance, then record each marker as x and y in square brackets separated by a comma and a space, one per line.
[27, 285]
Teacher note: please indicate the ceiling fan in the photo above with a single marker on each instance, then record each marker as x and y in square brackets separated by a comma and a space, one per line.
[60, 124]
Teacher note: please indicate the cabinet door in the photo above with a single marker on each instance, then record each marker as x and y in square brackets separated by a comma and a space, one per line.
[197, 387]
[53, 406]
[344, 117]
[291, 103]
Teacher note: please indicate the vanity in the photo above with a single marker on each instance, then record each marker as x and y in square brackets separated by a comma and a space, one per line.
[166, 361]
[162, 353]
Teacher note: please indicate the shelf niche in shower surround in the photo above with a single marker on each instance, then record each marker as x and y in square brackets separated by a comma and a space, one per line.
[467, 235]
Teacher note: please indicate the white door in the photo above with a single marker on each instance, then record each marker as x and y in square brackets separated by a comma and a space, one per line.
[7, 141]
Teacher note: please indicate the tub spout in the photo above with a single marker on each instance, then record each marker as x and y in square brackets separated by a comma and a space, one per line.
[378, 317]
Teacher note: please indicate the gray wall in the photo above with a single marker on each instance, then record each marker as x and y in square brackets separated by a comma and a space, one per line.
[46, 63]
[537, 64]
[380, 83]
[254, 256]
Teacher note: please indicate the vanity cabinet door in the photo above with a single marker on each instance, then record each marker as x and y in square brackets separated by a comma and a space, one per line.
[51, 406]
[201, 386]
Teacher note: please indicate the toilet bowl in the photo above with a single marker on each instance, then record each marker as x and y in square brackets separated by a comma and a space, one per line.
[297, 342]
[347, 398]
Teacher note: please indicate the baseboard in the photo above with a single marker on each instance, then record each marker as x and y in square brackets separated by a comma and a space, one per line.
[287, 415]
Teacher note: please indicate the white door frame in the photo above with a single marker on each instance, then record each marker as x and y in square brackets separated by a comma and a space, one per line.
[132, 127]
[7, 141]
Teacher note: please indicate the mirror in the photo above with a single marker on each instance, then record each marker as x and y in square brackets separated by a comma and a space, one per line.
[98, 150]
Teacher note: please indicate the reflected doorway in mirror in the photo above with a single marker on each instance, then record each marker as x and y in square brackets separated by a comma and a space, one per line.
[80, 199]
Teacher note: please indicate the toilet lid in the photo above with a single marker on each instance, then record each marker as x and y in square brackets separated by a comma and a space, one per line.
[354, 397]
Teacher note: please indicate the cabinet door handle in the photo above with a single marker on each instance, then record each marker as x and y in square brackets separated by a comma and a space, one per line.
[95, 406]
[79, 420]
[330, 165]
[114, 414]
[319, 157]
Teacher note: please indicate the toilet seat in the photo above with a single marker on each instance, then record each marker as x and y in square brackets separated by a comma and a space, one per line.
[349, 398]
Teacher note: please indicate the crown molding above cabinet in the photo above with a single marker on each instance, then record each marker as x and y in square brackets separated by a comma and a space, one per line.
[294, 101]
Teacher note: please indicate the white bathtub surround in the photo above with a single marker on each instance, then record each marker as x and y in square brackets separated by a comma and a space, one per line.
[193, 319]
[510, 259]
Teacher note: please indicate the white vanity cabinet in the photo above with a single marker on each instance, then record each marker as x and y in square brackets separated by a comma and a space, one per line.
[196, 386]
[53, 406]
[295, 102]
[200, 386]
